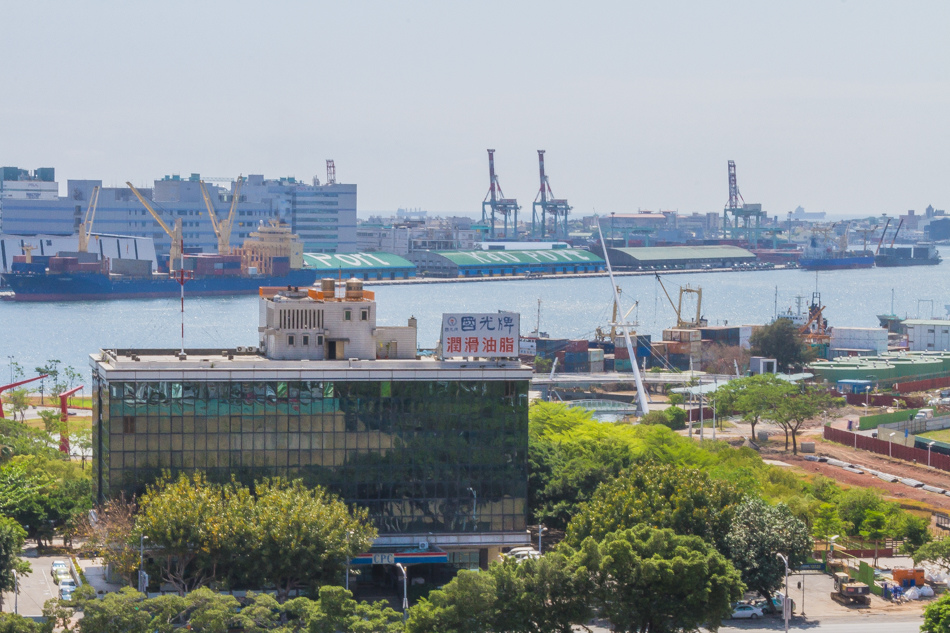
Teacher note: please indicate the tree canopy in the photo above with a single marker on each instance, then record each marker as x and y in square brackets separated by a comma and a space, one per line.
[781, 340]
[753, 397]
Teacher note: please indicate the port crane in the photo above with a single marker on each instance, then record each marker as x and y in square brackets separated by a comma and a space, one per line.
[85, 227]
[176, 246]
[558, 208]
[222, 228]
[883, 233]
[899, 225]
[699, 321]
[496, 203]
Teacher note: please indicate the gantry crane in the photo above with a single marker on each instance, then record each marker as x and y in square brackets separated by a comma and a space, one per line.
[498, 204]
[557, 208]
[176, 247]
[699, 321]
[746, 218]
[85, 227]
[222, 228]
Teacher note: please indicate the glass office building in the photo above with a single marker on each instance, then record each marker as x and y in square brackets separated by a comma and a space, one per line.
[439, 453]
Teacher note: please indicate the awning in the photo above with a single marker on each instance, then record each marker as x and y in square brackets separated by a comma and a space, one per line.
[404, 555]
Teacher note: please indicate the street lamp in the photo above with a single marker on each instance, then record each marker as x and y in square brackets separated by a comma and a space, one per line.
[143, 577]
[929, 446]
[890, 445]
[16, 592]
[347, 580]
[405, 593]
[541, 530]
[786, 605]
[474, 508]
[867, 397]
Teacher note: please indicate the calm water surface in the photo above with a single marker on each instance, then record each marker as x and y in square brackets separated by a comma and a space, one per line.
[70, 331]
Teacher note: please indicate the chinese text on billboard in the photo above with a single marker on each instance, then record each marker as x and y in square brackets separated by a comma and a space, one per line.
[492, 335]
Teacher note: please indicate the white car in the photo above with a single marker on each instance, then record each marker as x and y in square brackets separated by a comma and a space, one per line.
[746, 611]
[67, 584]
[66, 593]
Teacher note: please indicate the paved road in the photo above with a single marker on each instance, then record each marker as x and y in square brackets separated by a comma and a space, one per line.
[35, 588]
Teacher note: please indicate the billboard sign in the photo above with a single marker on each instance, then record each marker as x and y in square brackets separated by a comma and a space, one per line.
[482, 335]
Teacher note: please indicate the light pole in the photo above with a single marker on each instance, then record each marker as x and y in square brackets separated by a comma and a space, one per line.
[541, 530]
[867, 397]
[405, 593]
[890, 445]
[929, 446]
[474, 508]
[786, 605]
[16, 592]
[702, 422]
[143, 577]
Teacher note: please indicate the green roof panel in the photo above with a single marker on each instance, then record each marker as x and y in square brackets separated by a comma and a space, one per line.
[554, 256]
[355, 261]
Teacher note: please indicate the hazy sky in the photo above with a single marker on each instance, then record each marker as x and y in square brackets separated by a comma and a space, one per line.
[836, 106]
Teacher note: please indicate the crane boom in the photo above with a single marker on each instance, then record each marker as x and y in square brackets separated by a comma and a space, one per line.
[85, 229]
[176, 247]
[222, 228]
[883, 233]
[899, 225]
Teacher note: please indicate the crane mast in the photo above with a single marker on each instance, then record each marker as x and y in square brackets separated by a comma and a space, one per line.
[495, 203]
[176, 246]
[545, 204]
[222, 228]
[85, 229]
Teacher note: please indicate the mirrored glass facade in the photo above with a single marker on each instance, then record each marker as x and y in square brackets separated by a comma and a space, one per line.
[422, 456]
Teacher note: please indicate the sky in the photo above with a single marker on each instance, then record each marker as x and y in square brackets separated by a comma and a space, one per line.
[837, 106]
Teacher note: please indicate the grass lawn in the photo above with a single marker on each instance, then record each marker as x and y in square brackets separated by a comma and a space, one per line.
[75, 423]
[943, 435]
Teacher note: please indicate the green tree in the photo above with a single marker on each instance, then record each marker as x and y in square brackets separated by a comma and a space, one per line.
[118, 612]
[81, 441]
[112, 536]
[915, 530]
[827, 523]
[937, 616]
[13, 623]
[781, 340]
[936, 552]
[793, 412]
[685, 500]
[12, 538]
[465, 605]
[874, 528]
[59, 614]
[759, 532]
[646, 579]
[19, 401]
[51, 420]
[753, 397]
[854, 505]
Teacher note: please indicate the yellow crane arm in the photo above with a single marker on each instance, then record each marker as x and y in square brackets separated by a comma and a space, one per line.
[210, 207]
[670, 299]
[154, 213]
[85, 229]
[226, 229]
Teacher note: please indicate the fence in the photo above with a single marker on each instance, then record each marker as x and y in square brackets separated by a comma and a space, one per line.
[892, 449]
[873, 421]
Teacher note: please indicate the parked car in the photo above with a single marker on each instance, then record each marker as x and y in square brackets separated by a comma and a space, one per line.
[746, 611]
[522, 553]
[66, 593]
[67, 584]
[58, 564]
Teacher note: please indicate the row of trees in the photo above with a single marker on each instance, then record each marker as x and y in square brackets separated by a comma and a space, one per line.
[279, 534]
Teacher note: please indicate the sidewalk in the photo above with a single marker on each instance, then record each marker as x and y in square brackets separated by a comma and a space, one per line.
[95, 573]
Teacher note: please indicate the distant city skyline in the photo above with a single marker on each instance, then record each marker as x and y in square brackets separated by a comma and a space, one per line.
[837, 107]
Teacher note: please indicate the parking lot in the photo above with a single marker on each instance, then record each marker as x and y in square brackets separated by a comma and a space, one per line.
[35, 588]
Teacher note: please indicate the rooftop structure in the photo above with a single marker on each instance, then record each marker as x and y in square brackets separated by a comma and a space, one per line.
[492, 263]
[679, 256]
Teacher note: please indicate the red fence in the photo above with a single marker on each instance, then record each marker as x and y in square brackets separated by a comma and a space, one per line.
[882, 400]
[882, 447]
[921, 385]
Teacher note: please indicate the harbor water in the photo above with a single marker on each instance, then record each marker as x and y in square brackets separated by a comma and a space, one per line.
[33, 333]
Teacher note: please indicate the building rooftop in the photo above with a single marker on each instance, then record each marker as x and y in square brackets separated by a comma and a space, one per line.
[937, 322]
[666, 253]
[476, 258]
[248, 364]
[331, 262]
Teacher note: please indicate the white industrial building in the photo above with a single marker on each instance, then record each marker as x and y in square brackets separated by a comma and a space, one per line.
[858, 341]
[927, 335]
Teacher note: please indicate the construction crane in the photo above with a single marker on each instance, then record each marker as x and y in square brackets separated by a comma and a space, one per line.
[175, 249]
[85, 227]
[883, 233]
[899, 225]
[222, 228]
[865, 233]
[557, 208]
[699, 321]
[496, 203]
[746, 218]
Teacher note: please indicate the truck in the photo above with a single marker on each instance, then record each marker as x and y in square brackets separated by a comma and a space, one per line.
[848, 591]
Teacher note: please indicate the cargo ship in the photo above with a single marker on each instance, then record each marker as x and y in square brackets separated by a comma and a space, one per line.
[824, 253]
[270, 256]
[921, 254]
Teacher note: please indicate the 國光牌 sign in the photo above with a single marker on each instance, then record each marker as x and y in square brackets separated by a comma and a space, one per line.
[483, 335]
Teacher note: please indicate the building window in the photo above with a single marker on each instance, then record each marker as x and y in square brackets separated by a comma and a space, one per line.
[347, 315]
[364, 315]
[305, 340]
[319, 339]
[128, 424]
[290, 340]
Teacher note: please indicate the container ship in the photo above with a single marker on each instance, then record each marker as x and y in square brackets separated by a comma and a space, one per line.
[921, 254]
[270, 256]
[824, 253]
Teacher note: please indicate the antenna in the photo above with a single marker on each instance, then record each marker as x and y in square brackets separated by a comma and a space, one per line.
[331, 172]
[183, 276]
